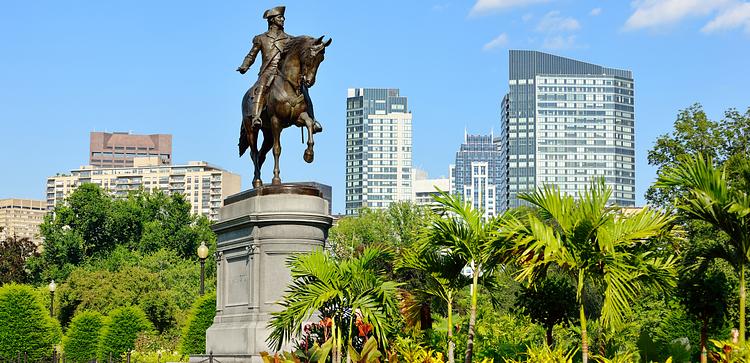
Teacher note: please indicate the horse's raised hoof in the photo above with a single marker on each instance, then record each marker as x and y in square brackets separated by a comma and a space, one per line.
[309, 156]
[276, 181]
[257, 183]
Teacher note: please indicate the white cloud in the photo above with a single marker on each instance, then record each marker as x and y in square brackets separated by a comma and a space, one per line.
[526, 17]
[595, 11]
[553, 22]
[499, 41]
[656, 13]
[440, 7]
[733, 17]
[559, 42]
[483, 7]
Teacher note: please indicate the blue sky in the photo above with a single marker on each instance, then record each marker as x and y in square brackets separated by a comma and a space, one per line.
[71, 67]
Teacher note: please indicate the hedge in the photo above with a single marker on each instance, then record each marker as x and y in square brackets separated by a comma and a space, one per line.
[81, 341]
[200, 319]
[26, 324]
[120, 332]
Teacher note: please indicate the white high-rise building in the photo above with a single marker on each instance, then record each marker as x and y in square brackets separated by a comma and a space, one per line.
[424, 188]
[205, 186]
[378, 148]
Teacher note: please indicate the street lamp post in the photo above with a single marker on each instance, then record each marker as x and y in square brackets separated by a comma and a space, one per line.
[52, 287]
[202, 254]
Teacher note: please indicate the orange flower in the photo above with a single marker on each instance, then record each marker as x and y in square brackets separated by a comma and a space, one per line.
[364, 329]
[327, 322]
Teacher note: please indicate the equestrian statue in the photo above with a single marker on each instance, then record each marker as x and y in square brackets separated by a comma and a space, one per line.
[279, 98]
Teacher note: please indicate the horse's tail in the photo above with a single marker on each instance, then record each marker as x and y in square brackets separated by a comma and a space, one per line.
[243, 140]
[246, 106]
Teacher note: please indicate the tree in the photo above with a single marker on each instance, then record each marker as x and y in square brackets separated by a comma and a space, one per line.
[200, 318]
[347, 290]
[26, 325]
[726, 142]
[462, 231]
[442, 279]
[14, 252]
[709, 197]
[595, 245]
[120, 332]
[91, 224]
[80, 342]
[549, 302]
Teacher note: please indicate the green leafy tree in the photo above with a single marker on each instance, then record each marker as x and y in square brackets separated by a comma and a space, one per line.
[549, 302]
[26, 325]
[350, 288]
[80, 341]
[14, 252]
[200, 318]
[709, 197]
[91, 224]
[596, 245]
[121, 331]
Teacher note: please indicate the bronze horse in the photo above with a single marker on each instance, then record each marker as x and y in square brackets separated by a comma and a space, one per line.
[286, 104]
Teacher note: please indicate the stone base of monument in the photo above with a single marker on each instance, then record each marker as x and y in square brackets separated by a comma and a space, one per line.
[257, 231]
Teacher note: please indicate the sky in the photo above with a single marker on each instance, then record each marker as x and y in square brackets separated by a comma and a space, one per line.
[71, 67]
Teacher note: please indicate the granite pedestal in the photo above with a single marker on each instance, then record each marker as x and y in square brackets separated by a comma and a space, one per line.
[257, 231]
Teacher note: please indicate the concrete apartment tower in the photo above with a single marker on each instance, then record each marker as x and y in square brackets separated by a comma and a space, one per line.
[378, 148]
[118, 149]
[565, 122]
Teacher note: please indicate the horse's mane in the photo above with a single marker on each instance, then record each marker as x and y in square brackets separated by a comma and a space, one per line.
[296, 45]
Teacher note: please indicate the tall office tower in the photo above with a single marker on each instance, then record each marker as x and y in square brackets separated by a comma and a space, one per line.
[117, 149]
[476, 173]
[565, 122]
[205, 186]
[21, 218]
[378, 148]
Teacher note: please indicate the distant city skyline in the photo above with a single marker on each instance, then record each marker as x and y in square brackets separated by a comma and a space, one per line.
[169, 67]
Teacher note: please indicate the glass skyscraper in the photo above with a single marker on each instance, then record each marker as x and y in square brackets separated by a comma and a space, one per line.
[565, 122]
[477, 173]
[378, 148]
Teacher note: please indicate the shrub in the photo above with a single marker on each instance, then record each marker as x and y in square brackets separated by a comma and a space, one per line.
[119, 334]
[26, 325]
[160, 309]
[80, 343]
[200, 319]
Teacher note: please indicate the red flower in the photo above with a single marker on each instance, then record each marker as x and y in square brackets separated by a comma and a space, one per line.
[364, 329]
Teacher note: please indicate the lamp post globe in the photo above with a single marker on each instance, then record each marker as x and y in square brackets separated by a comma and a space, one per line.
[202, 254]
[52, 286]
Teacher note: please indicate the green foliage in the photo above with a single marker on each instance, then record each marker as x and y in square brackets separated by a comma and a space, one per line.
[92, 223]
[407, 349]
[200, 318]
[121, 331]
[82, 337]
[549, 302]
[343, 288]
[25, 324]
[160, 309]
[14, 252]
[162, 283]
[545, 354]
[160, 356]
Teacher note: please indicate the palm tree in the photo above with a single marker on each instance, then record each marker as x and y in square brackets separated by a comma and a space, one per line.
[593, 243]
[441, 280]
[464, 233]
[350, 287]
[709, 197]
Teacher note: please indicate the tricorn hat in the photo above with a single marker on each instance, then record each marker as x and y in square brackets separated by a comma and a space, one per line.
[279, 10]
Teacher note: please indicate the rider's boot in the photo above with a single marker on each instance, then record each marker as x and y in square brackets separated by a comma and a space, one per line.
[257, 123]
[317, 127]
